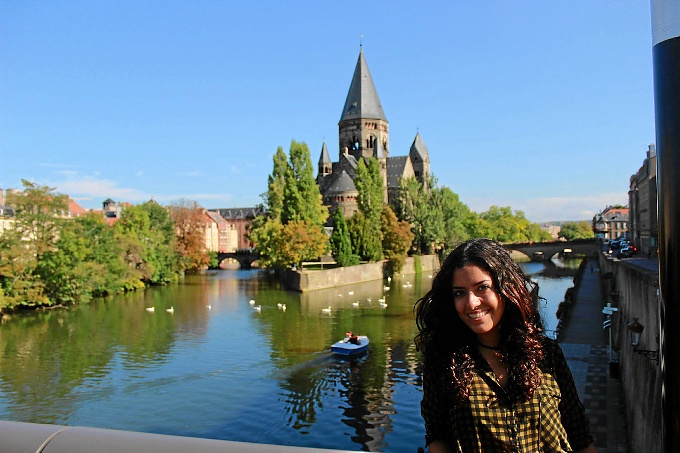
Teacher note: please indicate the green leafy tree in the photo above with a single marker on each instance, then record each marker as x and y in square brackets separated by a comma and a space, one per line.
[301, 197]
[161, 244]
[292, 197]
[132, 231]
[421, 209]
[277, 185]
[368, 234]
[33, 234]
[576, 230]
[397, 239]
[86, 262]
[341, 244]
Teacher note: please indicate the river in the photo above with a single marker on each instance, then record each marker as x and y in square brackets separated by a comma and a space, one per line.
[216, 367]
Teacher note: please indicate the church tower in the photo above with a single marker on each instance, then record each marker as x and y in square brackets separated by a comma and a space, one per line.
[325, 163]
[363, 128]
[420, 158]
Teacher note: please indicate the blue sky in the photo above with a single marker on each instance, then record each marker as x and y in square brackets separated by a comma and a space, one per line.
[543, 106]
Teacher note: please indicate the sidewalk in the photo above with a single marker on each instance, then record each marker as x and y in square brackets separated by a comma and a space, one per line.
[585, 345]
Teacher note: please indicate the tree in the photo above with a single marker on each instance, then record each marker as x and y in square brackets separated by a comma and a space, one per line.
[87, 261]
[161, 244]
[299, 241]
[292, 197]
[422, 211]
[189, 219]
[34, 233]
[369, 184]
[397, 239]
[576, 230]
[341, 244]
[277, 185]
[301, 197]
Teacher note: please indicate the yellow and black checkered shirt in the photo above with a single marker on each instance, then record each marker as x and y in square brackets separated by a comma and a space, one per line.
[553, 420]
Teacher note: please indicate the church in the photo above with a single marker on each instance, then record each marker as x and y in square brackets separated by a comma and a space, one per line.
[364, 133]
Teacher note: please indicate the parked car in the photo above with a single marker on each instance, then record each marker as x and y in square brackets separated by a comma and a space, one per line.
[626, 251]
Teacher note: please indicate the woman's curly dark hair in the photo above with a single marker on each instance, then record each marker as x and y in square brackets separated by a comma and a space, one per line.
[447, 342]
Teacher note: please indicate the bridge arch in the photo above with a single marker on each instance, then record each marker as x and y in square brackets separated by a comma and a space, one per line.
[246, 259]
[542, 251]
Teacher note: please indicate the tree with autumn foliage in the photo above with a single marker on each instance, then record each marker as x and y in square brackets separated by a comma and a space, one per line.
[397, 239]
[189, 219]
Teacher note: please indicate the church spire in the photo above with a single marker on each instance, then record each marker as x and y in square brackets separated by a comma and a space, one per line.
[362, 99]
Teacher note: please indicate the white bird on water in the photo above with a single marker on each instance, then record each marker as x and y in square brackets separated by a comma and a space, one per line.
[170, 310]
[326, 310]
[283, 307]
[149, 309]
[258, 308]
[209, 307]
[251, 302]
[355, 304]
[386, 288]
[351, 293]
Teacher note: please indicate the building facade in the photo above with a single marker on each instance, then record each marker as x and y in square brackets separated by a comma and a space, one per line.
[612, 223]
[363, 133]
[642, 200]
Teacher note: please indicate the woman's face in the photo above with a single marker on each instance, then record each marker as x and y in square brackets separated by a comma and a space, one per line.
[477, 303]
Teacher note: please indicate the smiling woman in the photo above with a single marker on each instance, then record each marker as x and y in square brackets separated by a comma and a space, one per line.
[487, 361]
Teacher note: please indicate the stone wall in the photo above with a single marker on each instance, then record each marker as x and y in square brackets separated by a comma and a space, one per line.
[310, 280]
[634, 290]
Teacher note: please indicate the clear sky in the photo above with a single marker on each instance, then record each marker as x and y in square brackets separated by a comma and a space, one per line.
[544, 106]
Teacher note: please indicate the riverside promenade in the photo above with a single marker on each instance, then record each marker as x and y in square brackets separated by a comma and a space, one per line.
[586, 346]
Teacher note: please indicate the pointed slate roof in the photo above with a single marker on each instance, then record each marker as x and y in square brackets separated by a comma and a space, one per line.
[362, 99]
[325, 157]
[419, 149]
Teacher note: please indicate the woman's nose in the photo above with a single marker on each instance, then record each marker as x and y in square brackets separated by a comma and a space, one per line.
[472, 300]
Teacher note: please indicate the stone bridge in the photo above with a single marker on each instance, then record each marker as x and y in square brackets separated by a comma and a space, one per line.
[541, 251]
[245, 258]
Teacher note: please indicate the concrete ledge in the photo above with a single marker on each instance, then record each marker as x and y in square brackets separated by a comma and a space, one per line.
[306, 280]
[17, 437]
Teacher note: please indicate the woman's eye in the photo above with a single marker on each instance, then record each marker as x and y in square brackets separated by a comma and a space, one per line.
[458, 293]
[484, 288]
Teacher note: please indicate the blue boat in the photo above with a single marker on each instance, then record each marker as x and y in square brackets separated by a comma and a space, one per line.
[345, 347]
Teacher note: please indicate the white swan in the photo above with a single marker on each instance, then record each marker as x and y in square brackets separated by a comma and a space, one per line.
[382, 301]
[355, 304]
[251, 302]
[209, 307]
[386, 288]
[258, 308]
[326, 310]
[149, 309]
[283, 307]
[383, 304]
[170, 310]
[351, 293]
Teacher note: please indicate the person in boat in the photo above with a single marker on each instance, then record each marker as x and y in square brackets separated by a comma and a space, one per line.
[492, 380]
[351, 338]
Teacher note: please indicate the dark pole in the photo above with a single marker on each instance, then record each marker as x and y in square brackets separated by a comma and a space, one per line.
[666, 56]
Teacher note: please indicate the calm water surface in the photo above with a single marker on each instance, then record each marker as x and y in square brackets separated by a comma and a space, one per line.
[218, 368]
